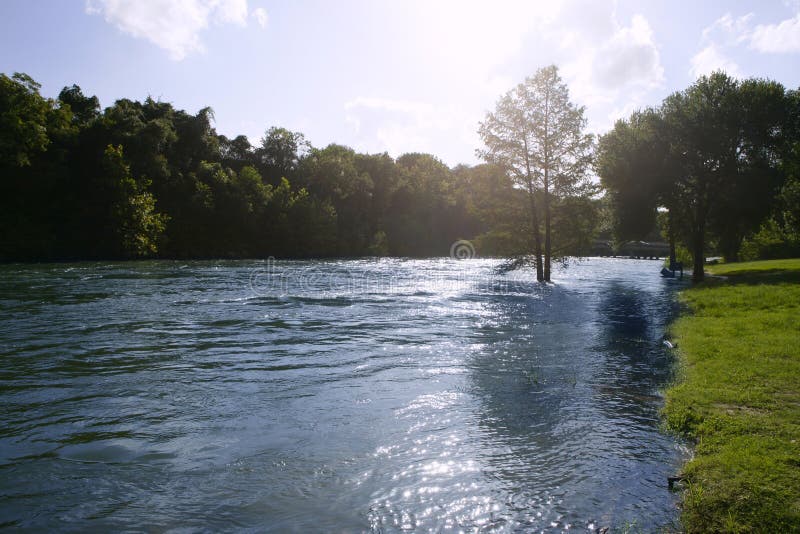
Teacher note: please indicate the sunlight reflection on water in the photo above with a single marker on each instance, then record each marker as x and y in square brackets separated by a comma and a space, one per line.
[344, 395]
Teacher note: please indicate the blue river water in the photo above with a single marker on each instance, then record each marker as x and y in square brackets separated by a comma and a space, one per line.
[334, 396]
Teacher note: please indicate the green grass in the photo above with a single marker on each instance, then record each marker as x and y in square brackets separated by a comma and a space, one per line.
[756, 267]
[738, 398]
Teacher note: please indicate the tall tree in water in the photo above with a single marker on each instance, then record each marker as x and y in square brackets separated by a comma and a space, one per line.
[537, 135]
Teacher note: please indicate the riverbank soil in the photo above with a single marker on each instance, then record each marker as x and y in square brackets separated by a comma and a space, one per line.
[737, 397]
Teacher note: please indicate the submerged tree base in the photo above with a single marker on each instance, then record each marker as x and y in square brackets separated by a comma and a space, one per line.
[521, 261]
[739, 399]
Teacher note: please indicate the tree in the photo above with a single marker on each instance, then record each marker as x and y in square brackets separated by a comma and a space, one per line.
[23, 120]
[84, 108]
[422, 209]
[536, 135]
[635, 167]
[749, 194]
[143, 178]
[711, 155]
[132, 217]
[788, 209]
[724, 138]
[493, 209]
[35, 136]
[383, 172]
[629, 169]
[331, 175]
[236, 153]
[280, 153]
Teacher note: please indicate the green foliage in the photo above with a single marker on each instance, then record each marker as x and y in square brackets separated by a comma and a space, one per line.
[132, 216]
[23, 120]
[499, 243]
[770, 242]
[536, 135]
[332, 173]
[144, 179]
[575, 220]
[280, 153]
[630, 162]
[711, 155]
[722, 157]
[683, 255]
[84, 109]
[738, 399]
[781, 267]
[379, 246]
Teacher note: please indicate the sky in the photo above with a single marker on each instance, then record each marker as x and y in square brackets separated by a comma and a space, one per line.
[389, 75]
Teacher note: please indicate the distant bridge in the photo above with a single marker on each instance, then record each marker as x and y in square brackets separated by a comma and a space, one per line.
[632, 249]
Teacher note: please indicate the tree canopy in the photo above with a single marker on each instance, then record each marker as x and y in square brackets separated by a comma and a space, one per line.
[713, 156]
[717, 165]
[144, 179]
[536, 134]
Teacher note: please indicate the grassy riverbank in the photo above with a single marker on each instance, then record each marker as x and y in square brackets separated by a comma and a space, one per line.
[738, 398]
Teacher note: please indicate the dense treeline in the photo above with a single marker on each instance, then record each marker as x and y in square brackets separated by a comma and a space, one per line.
[143, 179]
[717, 166]
[720, 160]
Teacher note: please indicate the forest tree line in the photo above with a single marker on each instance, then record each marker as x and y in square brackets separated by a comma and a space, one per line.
[715, 167]
[143, 179]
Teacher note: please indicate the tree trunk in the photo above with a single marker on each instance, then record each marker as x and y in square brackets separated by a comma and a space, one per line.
[698, 244]
[699, 235]
[673, 256]
[547, 247]
[537, 240]
[546, 169]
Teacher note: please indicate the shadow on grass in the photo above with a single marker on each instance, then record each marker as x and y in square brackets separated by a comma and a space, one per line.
[753, 277]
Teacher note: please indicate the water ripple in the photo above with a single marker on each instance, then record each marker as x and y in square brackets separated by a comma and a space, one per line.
[382, 395]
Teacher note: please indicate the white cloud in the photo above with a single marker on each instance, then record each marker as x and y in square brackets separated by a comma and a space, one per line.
[261, 17]
[387, 104]
[728, 33]
[173, 25]
[783, 37]
[628, 57]
[711, 59]
[717, 39]
[728, 30]
[610, 66]
[398, 126]
[234, 11]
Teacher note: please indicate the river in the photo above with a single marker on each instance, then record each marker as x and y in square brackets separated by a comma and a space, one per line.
[349, 396]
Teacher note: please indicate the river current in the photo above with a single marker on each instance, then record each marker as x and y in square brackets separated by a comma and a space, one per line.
[334, 396]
